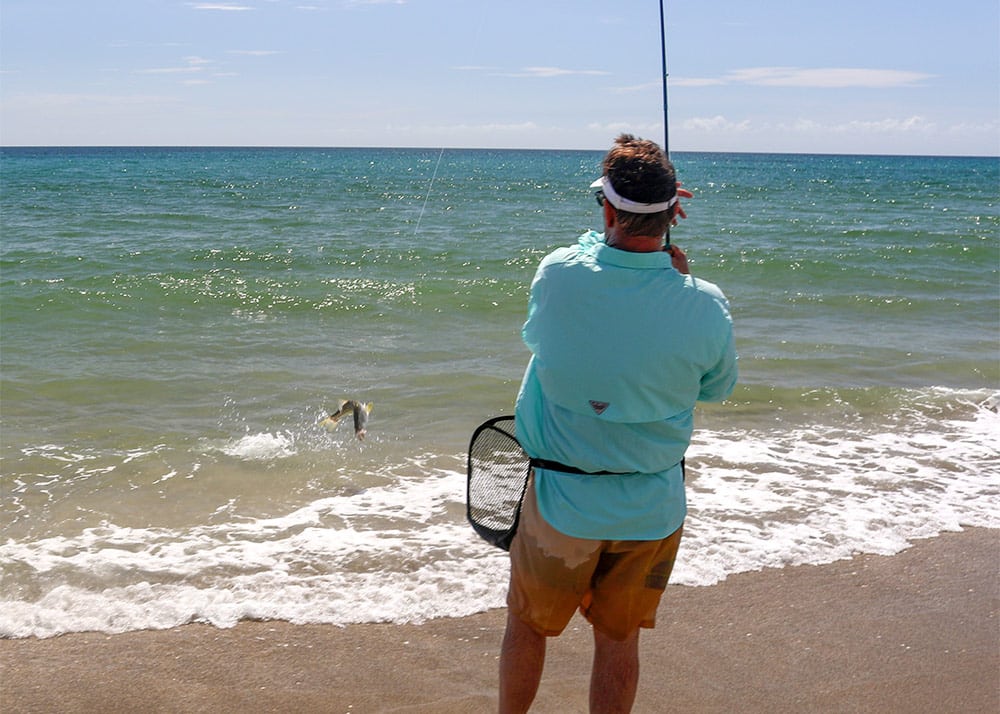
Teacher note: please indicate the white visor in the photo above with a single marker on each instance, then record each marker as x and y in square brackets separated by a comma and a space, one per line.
[628, 205]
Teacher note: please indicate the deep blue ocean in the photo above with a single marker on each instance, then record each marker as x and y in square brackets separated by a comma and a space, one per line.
[175, 322]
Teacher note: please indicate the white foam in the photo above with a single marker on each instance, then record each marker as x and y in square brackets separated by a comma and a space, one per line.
[263, 446]
[329, 562]
[402, 551]
[816, 495]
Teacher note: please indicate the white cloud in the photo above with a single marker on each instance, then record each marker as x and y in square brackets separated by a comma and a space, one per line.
[819, 78]
[858, 127]
[716, 124]
[193, 64]
[169, 70]
[530, 72]
[990, 128]
[696, 82]
[525, 126]
[636, 88]
[491, 128]
[721, 125]
[799, 78]
[226, 7]
[831, 77]
[618, 127]
[545, 72]
[50, 101]
[904, 134]
[895, 126]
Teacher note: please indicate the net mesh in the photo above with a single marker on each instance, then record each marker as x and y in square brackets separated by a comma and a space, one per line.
[497, 476]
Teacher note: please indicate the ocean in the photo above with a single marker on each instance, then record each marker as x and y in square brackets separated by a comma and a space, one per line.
[174, 323]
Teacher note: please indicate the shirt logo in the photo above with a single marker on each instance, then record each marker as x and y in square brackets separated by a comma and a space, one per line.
[598, 407]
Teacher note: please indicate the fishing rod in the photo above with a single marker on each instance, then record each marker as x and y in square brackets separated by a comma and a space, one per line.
[663, 48]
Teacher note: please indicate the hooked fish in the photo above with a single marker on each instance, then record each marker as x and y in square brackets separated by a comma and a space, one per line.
[350, 406]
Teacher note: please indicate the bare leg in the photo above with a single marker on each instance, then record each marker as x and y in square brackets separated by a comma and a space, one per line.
[522, 657]
[615, 675]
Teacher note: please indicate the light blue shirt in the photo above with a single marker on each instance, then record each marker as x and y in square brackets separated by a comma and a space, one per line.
[622, 347]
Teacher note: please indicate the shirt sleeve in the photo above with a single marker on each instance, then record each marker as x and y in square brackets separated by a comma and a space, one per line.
[718, 382]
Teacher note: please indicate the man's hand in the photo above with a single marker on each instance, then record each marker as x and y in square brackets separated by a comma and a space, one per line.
[678, 209]
[679, 259]
[677, 256]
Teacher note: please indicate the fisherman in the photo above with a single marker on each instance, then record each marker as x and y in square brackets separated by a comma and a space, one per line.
[350, 406]
[623, 342]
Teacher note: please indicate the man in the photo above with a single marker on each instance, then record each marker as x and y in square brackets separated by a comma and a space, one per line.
[623, 344]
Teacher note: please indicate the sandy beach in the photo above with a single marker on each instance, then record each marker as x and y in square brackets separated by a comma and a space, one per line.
[913, 632]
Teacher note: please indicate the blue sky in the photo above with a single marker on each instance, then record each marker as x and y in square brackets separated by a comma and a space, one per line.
[880, 76]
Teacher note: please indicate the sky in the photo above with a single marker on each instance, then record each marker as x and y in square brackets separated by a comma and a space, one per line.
[800, 76]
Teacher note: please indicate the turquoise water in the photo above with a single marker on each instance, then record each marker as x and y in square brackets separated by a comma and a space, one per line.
[175, 322]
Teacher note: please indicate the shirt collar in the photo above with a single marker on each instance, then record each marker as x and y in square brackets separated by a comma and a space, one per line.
[657, 260]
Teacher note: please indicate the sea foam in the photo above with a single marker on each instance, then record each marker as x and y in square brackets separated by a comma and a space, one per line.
[402, 552]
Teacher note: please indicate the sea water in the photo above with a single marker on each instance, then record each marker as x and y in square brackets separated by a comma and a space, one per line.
[176, 322]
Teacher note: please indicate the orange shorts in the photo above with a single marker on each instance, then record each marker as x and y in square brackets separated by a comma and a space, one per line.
[616, 584]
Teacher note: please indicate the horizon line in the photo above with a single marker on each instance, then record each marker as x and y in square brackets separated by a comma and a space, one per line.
[316, 147]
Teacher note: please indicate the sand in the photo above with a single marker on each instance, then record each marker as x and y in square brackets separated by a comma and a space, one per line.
[914, 632]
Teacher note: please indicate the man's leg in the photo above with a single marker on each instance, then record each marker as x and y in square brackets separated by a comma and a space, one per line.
[615, 674]
[522, 657]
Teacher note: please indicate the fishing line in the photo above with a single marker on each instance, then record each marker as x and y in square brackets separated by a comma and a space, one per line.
[429, 187]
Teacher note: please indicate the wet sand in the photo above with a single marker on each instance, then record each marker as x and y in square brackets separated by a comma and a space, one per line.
[914, 632]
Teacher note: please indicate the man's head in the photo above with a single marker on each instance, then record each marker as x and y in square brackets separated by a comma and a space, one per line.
[639, 172]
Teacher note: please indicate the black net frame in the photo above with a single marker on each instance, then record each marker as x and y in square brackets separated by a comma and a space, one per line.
[497, 472]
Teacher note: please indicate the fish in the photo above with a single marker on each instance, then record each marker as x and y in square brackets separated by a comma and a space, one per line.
[350, 406]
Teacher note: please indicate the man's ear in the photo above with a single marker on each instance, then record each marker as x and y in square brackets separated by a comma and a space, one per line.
[609, 214]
